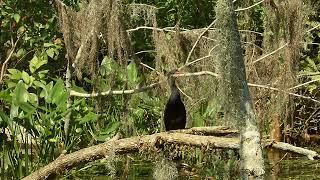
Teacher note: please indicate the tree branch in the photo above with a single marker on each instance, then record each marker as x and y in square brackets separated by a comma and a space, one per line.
[115, 92]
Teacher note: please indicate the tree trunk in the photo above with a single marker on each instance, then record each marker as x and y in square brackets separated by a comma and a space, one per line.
[235, 93]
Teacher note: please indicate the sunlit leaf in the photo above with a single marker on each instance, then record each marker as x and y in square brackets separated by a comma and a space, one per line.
[21, 52]
[16, 17]
[50, 52]
[132, 72]
[36, 63]
[48, 44]
[14, 74]
[25, 77]
[57, 91]
[90, 117]
[114, 126]
[20, 94]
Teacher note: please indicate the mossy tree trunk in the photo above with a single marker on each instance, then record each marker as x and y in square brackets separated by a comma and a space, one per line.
[234, 91]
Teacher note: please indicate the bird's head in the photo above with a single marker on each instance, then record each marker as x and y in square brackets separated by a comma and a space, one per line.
[172, 78]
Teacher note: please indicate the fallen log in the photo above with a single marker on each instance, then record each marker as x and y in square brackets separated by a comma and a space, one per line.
[155, 142]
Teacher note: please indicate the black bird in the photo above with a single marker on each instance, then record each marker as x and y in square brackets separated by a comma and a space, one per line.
[175, 112]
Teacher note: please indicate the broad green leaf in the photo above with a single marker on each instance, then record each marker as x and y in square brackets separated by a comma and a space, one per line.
[46, 92]
[27, 107]
[61, 101]
[4, 119]
[21, 52]
[16, 17]
[111, 128]
[14, 111]
[48, 44]
[14, 74]
[50, 52]
[36, 63]
[57, 91]
[5, 95]
[20, 94]
[132, 72]
[25, 77]
[90, 117]
[33, 98]
[108, 66]
[42, 74]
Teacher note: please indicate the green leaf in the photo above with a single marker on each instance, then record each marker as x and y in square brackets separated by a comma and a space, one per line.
[108, 66]
[5, 95]
[21, 52]
[50, 52]
[132, 72]
[45, 92]
[57, 91]
[36, 63]
[48, 44]
[4, 119]
[113, 127]
[90, 117]
[33, 98]
[27, 107]
[20, 94]
[14, 74]
[25, 77]
[16, 17]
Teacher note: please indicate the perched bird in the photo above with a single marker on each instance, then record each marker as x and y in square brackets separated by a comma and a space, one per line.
[175, 112]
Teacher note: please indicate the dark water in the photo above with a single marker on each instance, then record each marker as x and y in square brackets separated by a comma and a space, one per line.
[289, 168]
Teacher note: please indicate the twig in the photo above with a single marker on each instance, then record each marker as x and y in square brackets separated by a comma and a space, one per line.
[197, 74]
[115, 92]
[242, 9]
[13, 48]
[147, 66]
[261, 58]
[199, 59]
[303, 84]
[255, 32]
[313, 28]
[276, 89]
[146, 51]
[197, 41]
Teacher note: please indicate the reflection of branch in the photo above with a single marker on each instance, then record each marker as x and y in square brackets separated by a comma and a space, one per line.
[115, 92]
[13, 48]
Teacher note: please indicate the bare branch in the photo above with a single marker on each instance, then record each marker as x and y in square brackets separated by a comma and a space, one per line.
[115, 92]
[3, 68]
[261, 58]
[276, 89]
[242, 9]
[313, 28]
[197, 41]
[304, 84]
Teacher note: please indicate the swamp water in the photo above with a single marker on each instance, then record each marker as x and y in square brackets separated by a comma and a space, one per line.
[289, 168]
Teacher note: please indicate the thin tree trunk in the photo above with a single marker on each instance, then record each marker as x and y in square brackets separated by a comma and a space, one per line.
[235, 93]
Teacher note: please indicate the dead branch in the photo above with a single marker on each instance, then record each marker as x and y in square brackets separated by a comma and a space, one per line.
[3, 68]
[115, 92]
[155, 142]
